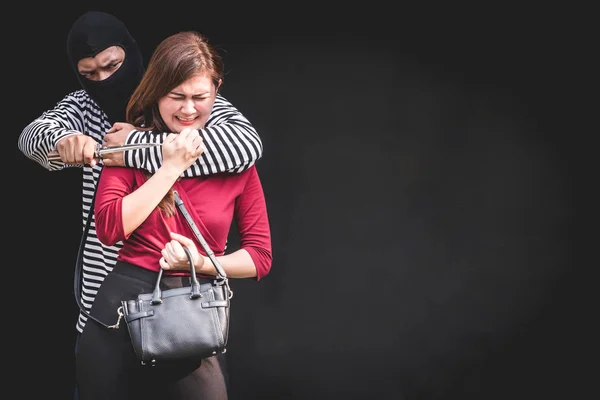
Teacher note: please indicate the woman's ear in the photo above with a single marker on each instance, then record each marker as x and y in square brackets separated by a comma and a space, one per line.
[218, 85]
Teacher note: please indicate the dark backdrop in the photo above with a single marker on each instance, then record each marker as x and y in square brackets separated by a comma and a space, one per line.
[417, 172]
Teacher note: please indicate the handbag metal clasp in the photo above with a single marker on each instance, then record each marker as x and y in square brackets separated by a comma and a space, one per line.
[120, 312]
[228, 288]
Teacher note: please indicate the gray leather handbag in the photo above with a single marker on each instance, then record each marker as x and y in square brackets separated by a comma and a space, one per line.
[181, 323]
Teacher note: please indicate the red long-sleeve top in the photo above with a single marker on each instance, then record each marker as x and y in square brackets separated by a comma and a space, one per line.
[213, 202]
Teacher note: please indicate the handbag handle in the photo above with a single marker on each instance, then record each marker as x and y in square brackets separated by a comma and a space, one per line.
[195, 285]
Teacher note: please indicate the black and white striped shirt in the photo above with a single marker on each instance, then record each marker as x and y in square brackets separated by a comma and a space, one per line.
[232, 143]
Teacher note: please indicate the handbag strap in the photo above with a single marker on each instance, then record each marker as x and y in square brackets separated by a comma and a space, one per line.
[220, 271]
[79, 263]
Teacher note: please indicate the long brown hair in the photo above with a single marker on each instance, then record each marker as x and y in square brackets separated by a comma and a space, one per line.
[176, 59]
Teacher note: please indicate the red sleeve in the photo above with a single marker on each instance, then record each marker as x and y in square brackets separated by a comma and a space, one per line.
[114, 184]
[253, 224]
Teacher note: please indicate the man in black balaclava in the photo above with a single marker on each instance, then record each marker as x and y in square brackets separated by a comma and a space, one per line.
[93, 33]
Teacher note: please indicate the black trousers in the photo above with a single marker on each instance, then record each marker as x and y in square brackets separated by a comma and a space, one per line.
[107, 367]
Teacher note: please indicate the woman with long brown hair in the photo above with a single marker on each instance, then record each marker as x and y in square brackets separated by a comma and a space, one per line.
[176, 94]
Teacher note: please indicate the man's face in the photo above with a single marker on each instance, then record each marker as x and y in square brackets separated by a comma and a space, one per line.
[188, 105]
[103, 65]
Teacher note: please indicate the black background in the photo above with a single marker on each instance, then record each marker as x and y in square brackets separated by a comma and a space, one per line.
[417, 169]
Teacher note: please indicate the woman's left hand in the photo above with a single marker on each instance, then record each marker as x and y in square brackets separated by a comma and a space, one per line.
[175, 258]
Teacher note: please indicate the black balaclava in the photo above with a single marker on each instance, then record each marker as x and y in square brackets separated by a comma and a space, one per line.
[92, 33]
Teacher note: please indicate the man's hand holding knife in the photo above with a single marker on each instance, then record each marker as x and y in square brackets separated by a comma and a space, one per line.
[83, 149]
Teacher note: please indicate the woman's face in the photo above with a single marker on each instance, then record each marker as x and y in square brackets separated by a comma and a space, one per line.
[189, 104]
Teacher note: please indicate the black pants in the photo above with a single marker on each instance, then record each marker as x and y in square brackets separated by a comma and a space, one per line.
[107, 367]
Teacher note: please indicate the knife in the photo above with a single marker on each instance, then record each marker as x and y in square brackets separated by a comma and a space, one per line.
[100, 151]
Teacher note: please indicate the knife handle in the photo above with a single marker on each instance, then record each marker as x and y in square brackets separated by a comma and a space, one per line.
[54, 156]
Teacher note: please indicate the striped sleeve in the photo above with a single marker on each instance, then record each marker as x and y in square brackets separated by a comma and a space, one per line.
[232, 144]
[40, 136]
